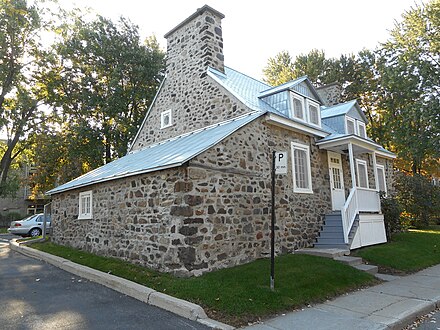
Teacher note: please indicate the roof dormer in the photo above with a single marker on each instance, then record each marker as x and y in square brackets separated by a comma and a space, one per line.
[296, 100]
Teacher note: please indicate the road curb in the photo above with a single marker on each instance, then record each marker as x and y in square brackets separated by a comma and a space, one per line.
[152, 297]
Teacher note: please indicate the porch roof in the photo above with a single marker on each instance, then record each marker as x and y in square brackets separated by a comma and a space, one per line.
[339, 143]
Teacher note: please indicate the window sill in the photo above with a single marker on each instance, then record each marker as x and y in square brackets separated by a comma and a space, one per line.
[85, 217]
[296, 191]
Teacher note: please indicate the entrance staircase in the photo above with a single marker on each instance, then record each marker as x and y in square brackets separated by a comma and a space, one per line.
[331, 235]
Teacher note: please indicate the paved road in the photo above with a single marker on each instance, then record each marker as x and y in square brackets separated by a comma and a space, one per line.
[430, 322]
[36, 295]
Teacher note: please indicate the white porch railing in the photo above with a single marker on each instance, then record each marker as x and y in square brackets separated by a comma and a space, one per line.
[359, 200]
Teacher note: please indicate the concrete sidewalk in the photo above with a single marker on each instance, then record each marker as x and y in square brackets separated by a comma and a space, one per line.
[390, 305]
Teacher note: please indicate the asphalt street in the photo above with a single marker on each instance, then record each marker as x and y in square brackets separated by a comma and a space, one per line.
[36, 295]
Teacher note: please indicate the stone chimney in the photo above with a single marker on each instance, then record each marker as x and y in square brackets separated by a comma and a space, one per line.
[196, 44]
[330, 94]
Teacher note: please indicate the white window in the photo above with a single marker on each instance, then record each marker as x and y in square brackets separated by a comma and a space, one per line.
[381, 178]
[362, 174]
[166, 119]
[85, 205]
[350, 125]
[313, 109]
[298, 107]
[302, 177]
[362, 132]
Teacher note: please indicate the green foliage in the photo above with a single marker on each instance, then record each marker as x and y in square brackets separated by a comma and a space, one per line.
[391, 211]
[21, 59]
[101, 83]
[408, 252]
[419, 198]
[240, 294]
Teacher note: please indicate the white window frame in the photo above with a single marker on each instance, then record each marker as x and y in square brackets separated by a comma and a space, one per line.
[349, 119]
[308, 104]
[162, 119]
[85, 214]
[363, 162]
[301, 99]
[306, 148]
[382, 168]
[359, 124]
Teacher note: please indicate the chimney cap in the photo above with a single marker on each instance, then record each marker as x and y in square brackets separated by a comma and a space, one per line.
[198, 12]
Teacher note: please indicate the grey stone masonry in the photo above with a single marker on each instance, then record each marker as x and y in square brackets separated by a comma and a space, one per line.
[330, 94]
[210, 214]
[194, 99]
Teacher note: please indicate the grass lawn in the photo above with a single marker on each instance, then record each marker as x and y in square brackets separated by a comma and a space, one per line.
[241, 294]
[3, 230]
[407, 252]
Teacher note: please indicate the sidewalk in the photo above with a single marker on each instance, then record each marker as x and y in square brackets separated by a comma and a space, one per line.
[390, 305]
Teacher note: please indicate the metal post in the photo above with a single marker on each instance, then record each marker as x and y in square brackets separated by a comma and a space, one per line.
[44, 221]
[272, 234]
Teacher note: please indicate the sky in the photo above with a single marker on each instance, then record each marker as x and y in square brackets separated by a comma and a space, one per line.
[254, 31]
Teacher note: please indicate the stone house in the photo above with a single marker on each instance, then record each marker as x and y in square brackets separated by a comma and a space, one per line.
[193, 194]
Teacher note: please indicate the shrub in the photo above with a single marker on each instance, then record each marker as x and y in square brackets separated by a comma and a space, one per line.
[391, 212]
[419, 198]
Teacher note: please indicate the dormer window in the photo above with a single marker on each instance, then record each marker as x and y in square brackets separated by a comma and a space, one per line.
[361, 130]
[166, 119]
[355, 127]
[314, 113]
[298, 107]
[350, 126]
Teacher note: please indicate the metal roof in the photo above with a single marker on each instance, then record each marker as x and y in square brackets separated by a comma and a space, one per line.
[342, 109]
[166, 154]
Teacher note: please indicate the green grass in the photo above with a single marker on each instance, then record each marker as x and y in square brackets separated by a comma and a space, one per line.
[240, 294]
[407, 252]
[3, 230]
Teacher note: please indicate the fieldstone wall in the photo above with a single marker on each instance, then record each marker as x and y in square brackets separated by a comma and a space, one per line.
[210, 214]
[196, 101]
[330, 94]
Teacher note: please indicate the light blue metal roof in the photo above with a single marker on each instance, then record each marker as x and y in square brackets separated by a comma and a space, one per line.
[243, 87]
[343, 109]
[337, 110]
[166, 154]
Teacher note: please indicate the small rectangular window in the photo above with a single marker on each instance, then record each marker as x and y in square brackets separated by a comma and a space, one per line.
[362, 173]
[381, 178]
[350, 128]
[361, 129]
[302, 178]
[298, 107]
[85, 205]
[166, 119]
[313, 113]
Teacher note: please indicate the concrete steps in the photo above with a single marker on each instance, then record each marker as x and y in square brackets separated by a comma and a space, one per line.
[341, 255]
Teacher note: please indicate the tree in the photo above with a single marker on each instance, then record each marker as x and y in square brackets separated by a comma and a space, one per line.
[21, 57]
[103, 80]
[411, 87]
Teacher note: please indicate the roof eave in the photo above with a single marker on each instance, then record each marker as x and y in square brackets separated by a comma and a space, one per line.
[284, 122]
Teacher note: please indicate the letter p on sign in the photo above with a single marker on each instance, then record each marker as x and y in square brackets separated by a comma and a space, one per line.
[281, 163]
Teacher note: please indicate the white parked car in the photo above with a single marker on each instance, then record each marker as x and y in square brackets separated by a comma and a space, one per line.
[30, 226]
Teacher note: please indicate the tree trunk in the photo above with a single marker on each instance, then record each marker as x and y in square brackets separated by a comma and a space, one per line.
[6, 161]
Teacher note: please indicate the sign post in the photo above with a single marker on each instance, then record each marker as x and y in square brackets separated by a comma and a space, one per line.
[279, 166]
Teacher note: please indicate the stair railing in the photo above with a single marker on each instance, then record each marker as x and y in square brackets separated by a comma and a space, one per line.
[349, 212]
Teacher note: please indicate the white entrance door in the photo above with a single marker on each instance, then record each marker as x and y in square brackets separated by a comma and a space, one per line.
[336, 180]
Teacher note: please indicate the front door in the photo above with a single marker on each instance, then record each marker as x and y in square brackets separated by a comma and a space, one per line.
[336, 180]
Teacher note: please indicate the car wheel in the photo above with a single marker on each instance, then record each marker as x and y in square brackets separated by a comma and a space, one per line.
[35, 232]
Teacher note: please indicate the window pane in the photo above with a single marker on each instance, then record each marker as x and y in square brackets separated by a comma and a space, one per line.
[301, 170]
[313, 113]
[297, 109]
[362, 169]
[336, 173]
[350, 127]
[362, 131]
[381, 179]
